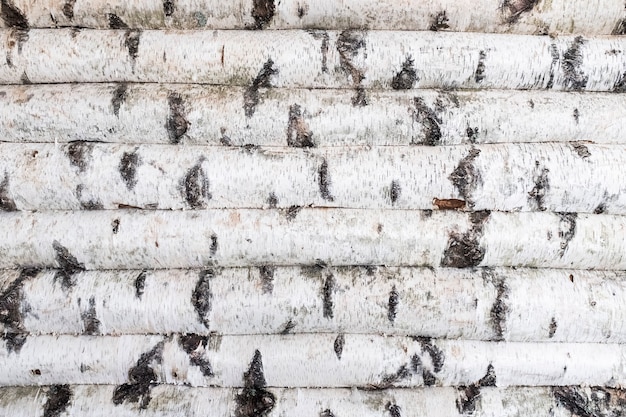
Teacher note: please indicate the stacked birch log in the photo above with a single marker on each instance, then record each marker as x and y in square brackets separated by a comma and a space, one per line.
[314, 208]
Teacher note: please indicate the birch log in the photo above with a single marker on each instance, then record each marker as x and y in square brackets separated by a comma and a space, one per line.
[528, 17]
[140, 113]
[511, 177]
[350, 59]
[162, 239]
[173, 401]
[489, 304]
[313, 360]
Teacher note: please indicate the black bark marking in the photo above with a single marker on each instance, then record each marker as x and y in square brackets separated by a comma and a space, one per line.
[620, 84]
[292, 212]
[590, 402]
[263, 80]
[176, 123]
[479, 74]
[262, 13]
[576, 115]
[140, 284]
[254, 400]
[437, 357]
[324, 182]
[428, 378]
[389, 380]
[119, 96]
[195, 345]
[131, 42]
[115, 22]
[466, 401]
[405, 78]
[542, 185]
[202, 296]
[552, 328]
[91, 323]
[59, 397]
[567, 230]
[499, 309]
[620, 28]
[195, 188]
[581, 149]
[554, 51]
[392, 304]
[323, 36]
[416, 363]
[466, 177]
[68, 265]
[327, 296]
[302, 11]
[214, 245]
[472, 134]
[349, 43]
[87, 204]
[79, 153]
[394, 410]
[128, 168]
[531, 103]
[12, 16]
[430, 122]
[575, 79]
[439, 22]
[600, 209]
[168, 7]
[298, 133]
[513, 9]
[24, 78]
[115, 226]
[288, 327]
[6, 202]
[68, 9]
[464, 249]
[11, 312]
[266, 272]
[140, 379]
[327, 413]
[394, 191]
[272, 200]
[340, 340]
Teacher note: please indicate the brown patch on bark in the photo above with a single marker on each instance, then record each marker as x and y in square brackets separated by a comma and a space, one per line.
[349, 44]
[6, 202]
[59, 397]
[298, 133]
[195, 187]
[439, 22]
[262, 13]
[176, 123]
[254, 400]
[575, 78]
[430, 122]
[405, 79]
[12, 16]
[449, 204]
[263, 80]
[464, 249]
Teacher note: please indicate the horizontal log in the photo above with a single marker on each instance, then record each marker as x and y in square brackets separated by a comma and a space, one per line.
[307, 360]
[139, 113]
[171, 401]
[482, 304]
[135, 239]
[529, 17]
[511, 177]
[359, 60]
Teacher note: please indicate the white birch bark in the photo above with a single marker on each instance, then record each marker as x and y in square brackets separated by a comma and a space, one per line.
[511, 177]
[163, 239]
[171, 401]
[354, 59]
[135, 113]
[492, 304]
[529, 17]
[369, 361]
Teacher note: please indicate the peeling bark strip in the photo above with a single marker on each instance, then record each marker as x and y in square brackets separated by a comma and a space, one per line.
[195, 345]
[349, 44]
[575, 78]
[464, 250]
[201, 297]
[6, 202]
[254, 400]
[12, 16]
[567, 230]
[430, 121]
[466, 401]
[466, 178]
[128, 168]
[262, 13]
[11, 312]
[79, 153]
[68, 9]
[91, 323]
[542, 185]
[327, 296]
[59, 398]
[263, 80]
[119, 96]
[196, 186]
[298, 133]
[479, 74]
[591, 401]
[177, 123]
[140, 379]
[338, 345]
[513, 9]
[392, 305]
[324, 181]
[405, 79]
[266, 273]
